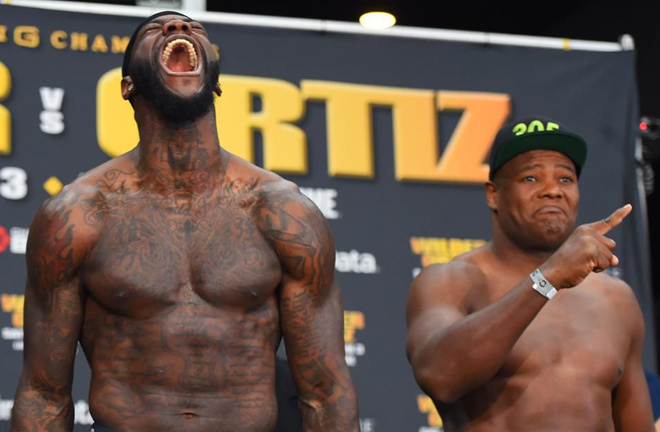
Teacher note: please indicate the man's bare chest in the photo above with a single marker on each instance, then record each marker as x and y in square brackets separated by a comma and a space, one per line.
[576, 336]
[180, 251]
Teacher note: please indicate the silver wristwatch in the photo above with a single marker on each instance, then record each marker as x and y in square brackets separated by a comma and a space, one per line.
[542, 285]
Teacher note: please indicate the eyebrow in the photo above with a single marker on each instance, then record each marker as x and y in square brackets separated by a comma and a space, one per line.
[529, 167]
[568, 167]
[533, 166]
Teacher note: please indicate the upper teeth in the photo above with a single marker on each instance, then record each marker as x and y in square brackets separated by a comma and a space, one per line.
[191, 51]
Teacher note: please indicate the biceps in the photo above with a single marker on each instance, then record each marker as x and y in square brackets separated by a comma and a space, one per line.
[428, 324]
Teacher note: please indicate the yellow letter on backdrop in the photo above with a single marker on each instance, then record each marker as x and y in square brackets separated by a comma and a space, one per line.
[349, 124]
[5, 115]
[483, 115]
[116, 129]
[284, 144]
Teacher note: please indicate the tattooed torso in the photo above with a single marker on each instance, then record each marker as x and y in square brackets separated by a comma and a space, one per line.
[179, 281]
[181, 316]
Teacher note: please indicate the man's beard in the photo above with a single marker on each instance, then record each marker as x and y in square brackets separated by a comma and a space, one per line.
[174, 108]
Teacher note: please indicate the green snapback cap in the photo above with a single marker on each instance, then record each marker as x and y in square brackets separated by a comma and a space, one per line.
[535, 133]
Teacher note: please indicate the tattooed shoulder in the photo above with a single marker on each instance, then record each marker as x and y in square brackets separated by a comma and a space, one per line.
[56, 230]
[296, 228]
[67, 223]
[283, 198]
[284, 215]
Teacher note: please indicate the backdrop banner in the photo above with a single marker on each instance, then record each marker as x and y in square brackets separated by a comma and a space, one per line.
[388, 135]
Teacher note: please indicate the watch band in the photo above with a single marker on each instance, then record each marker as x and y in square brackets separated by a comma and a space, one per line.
[541, 285]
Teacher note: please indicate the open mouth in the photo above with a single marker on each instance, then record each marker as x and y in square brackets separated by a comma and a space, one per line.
[179, 56]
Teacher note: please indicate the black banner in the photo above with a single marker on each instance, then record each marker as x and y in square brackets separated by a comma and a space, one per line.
[388, 135]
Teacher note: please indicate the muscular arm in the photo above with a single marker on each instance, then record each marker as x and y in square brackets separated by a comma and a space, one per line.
[53, 317]
[452, 350]
[631, 405]
[311, 311]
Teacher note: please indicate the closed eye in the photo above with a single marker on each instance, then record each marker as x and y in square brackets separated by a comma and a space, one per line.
[153, 26]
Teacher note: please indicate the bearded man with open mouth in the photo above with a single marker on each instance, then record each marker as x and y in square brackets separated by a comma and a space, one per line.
[179, 267]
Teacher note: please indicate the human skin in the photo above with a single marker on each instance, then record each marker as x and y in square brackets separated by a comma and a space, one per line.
[179, 267]
[494, 354]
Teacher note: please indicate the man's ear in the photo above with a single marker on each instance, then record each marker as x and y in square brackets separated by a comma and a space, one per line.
[127, 88]
[492, 195]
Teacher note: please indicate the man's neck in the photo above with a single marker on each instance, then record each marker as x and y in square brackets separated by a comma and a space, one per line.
[179, 157]
[514, 256]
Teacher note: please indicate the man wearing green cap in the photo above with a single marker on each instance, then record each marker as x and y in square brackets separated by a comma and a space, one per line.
[179, 267]
[527, 333]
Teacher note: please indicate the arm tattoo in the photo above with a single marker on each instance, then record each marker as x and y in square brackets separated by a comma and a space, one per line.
[53, 316]
[311, 311]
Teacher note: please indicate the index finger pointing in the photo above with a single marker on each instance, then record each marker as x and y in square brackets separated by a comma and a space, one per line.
[609, 223]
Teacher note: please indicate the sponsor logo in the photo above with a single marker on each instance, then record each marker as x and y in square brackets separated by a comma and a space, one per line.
[353, 321]
[356, 262]
[18, 240]
[81, 412]
[5, 409]
[14, 240]
[4, 239]
[13, 304]
[325, 200]
[425, 406]
[440, 250]
[367, 425]
[80, 409]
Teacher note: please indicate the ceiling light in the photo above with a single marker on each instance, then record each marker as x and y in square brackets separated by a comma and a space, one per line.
[377, 20]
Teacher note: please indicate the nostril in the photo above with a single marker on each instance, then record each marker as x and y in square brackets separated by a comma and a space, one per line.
[171, 28]
[185, 27]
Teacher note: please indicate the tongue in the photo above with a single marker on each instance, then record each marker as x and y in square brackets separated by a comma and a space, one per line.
[179, 60]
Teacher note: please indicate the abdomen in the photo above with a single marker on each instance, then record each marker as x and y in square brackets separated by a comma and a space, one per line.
[192, 364]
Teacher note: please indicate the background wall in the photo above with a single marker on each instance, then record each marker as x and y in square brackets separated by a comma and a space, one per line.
[392, 210]
[602, 20]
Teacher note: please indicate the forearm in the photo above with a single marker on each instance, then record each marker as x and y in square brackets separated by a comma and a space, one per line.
[43, 396]
[456, 359]
[336, 413]
[38, 411]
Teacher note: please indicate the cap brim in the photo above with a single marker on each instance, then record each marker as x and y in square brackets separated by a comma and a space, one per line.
[567, 143]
